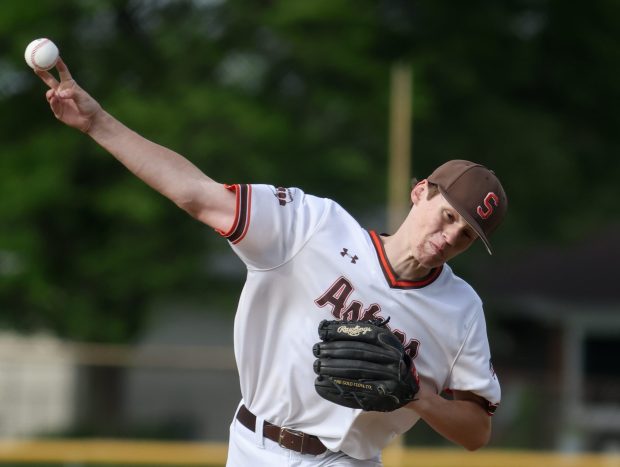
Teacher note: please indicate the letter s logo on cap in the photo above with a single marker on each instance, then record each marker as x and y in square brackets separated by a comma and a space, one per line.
[487, 204]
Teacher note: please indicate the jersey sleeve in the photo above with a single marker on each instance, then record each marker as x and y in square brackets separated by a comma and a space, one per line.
[272, 224]
[473, 370]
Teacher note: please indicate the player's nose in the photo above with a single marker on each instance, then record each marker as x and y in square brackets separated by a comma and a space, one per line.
[451, 234]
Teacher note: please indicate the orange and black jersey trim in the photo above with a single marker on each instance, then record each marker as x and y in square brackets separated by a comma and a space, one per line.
[243, 205]
[391, 277]
[489, 407]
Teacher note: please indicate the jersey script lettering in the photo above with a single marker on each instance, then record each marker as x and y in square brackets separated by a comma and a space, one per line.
[337, 295]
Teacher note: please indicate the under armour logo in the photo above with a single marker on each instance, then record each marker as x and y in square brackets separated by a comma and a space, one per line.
[345, 252]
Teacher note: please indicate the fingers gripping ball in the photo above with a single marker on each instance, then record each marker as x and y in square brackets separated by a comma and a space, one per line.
[41, 54]
[362, 365]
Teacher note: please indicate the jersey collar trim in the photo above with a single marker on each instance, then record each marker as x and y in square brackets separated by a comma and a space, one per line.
[391, 277]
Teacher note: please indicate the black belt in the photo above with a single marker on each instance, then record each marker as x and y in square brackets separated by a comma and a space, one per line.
[285, 437]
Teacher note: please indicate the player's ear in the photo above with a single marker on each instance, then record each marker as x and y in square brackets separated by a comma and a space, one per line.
[419, 191]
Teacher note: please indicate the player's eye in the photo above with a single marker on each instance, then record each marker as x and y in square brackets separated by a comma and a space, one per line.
[470, 234]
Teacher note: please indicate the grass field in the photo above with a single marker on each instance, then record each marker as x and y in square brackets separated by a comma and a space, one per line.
[113, 453]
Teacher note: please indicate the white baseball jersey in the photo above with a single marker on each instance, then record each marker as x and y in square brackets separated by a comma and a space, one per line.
[308, 260]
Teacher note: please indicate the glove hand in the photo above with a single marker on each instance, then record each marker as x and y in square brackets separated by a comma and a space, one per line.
[362, 365]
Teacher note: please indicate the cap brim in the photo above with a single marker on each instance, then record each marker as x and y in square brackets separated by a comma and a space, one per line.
[470, 221]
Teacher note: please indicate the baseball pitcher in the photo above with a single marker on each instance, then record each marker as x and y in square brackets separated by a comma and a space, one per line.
[344, 337]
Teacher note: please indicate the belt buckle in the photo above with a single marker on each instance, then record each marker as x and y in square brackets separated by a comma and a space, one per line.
[299, 434]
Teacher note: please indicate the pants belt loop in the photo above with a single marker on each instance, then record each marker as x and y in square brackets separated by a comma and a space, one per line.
[258, 432]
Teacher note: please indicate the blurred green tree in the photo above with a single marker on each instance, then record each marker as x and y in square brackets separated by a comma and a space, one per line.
[291, 93]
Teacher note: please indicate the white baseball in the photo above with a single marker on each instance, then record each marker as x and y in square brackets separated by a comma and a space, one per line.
[41, 54]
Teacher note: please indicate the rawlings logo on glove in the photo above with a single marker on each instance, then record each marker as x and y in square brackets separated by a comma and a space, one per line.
[353, 331]
[362, 365]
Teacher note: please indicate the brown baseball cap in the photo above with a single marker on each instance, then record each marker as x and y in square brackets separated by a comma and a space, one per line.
[475, 192]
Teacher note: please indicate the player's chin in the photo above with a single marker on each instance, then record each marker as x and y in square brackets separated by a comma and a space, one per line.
[432, 258]
[432, 261]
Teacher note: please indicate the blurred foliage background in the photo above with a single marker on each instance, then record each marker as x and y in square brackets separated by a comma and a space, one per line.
[291, 93]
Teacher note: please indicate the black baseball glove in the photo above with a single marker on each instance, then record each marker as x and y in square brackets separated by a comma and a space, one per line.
[362, 365]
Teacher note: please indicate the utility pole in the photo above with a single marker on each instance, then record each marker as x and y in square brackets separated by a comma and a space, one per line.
[399, 170]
